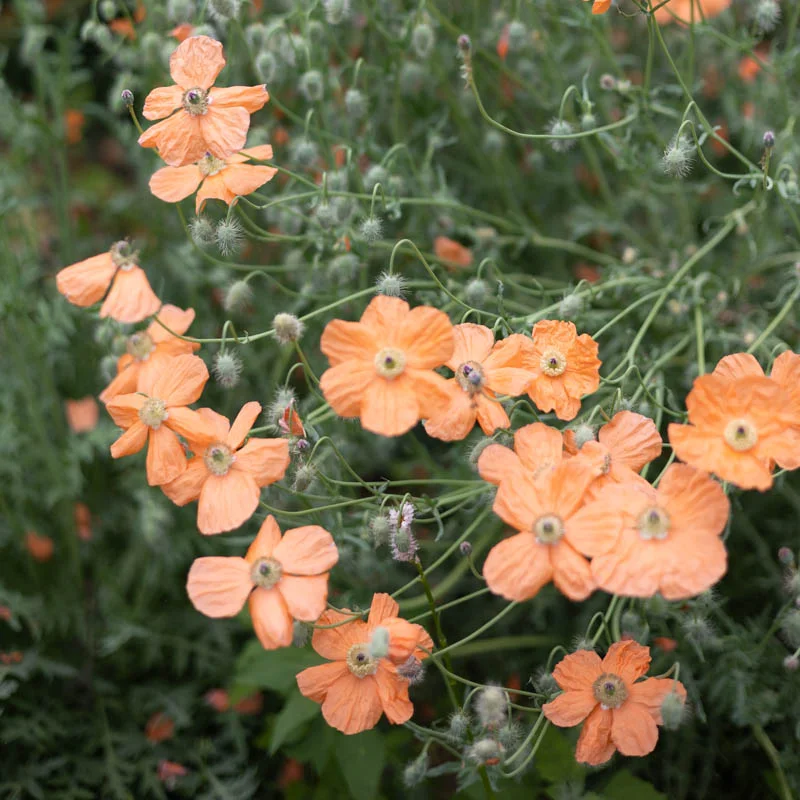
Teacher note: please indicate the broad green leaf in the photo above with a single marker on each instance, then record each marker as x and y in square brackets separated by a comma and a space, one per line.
[625, 786]
[272, 669]
[296, 713]
[361, 758]
[555, 759]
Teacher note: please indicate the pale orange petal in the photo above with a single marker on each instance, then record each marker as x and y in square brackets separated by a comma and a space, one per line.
[172, 184]
[568, 483]
[272, 622]
[224, 129]
[632, 439]
[267, 539]
[305, 597]
[251, 98]
[389, 407]
[244, 179]
[570, 708]
[426, 337]
[333, 643]
[315, 682]
[242, 424]
[538, 446]
[633, 730]
[82, 414]
[348, 341]
[572, 574]
[265, 460]
[471, 342]
[178, 139]
[130, 442]
[393, 694]
[176, 319]
[352, 704]
[161, 102]
[456, 420]
[651, 693]
[220, 424]
[213, 188]
[196, 62]
[628, 659]
[125, 382]
[261, 152]
[131, 299]
[497, 462]
[596, 527]
[594, 744]
[218, 587]
[180, 382]
[344, 386]
[491, 415]
[383, 317]
[85, 282]
[166, 458]
[519, 501]
[226, 502]
[738, 365]
[518, 567]
[193, 426]
[188, 485]
[511, 381]
[431, 391]
[383, 606]
[124, 409]
[309, 550]
[577, 671]
[404, 638]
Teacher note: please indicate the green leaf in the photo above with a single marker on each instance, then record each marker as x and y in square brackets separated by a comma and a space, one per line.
[296, 713]
[315, 746]
[555, 759]
[272, 669]
[361, 759]
[625, 786]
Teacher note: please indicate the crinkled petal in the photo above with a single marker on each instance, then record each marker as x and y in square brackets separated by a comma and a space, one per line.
[196, 62]
[393, 694]
[595, 746]
[178, 139]
[426, 337]
[309, 550]
[389, 407]
[457, 419]
[344, 341]
[352, 704]
[471, 342]
[305, 597]
[633, 730]
[166, 458]
[85, 282]
[265, 460]
[219, 586]
[250, 98]
[570, 708]
[172, 184]
[315, 682]
[124, 409]
[628, 659]
[131, 298]
[131, 441]
[180, 382]
[577, 671]
[272, 622]
[242, 424]
[267, 539]
[632, 439]
[345, 384]
[518, 567]
[491, 415]
[333, 643]
[572, 574]
[224, 129]
[188, 485]
[226, 502]
[161, 102]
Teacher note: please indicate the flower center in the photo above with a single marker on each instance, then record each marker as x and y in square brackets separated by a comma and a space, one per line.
[470, 377]
[153, 412]
[218, 458]
[390, 362]
[210, 165]
[740, 435]
[140, 345]
[548, 529]
[123, 255]
[195, 101]
[553, 362]
[610, 691]
[654, 523]
[266, 572]
[359, 661]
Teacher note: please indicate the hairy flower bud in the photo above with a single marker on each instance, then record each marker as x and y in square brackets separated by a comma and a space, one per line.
[790, 625]
[237, 297]
[301, 632]
[355, 103]
[380, 529]
[379, 643]
[485, 751]
[304, 477]
[766, 15]
[266, 66]
[476, 292]
[491, 706]
[465, 548]
[229, 236]
[678, 157]
[459, 726]
[303, 152]
[312, 86]
[288, 328]
[126, 95]
[202, 231]
[422, 40]
[673, 711]
[517, 35]
[561, 127]
[769, 139]
[223, 10]
[226, 368]
[390, 284]
[336, 11]
[570, 306]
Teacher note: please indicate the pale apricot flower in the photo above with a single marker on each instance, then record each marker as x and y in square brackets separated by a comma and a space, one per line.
[82, 414]
[619, 711]
[537, 449]
[284, 578]
[200, 118]
[451, 253]
[682, 10]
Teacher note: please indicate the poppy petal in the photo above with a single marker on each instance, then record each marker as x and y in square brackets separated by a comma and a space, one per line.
[251, 98]
[178, 139]
[570, 708]
[594, 744]
[272, 622]
[85, 282]
[166, 458]
[334, 642]
[196, 62]
[426, 337]
[471, 342]
[344, 386]
[267, 539]
[650, 693]
[188, 485]
[577, 671]
[181, 382]
[496, 462]
[124, 409]
[456, 420]
[131, 441]
[344, 341]
[633, 730]
[389, 407]
[265, 460]
[315, 682]
[628, 659]
[219, 586]
[572, 574]
[172, 184]
[352, 704]
[517, 567]
[393, 694]
[224, 130]
[161, 102]
[383, 607]
[131, 298]
[242, 424]
[309, 550]
[305, 597]
[226, 502]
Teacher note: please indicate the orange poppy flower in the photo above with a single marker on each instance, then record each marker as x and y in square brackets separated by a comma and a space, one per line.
[221, 179]
[682, 10]
[537, 449]
[224, 477]
[82, 414]
[451, 253]
[159, 728]
[130, 299]
[620, 711]
[669, 537]
[623, 447]
[206, 119]
[382, 366]
[74, 120]
[40, 547]
[147, 350]
[157, 413]
[600, 6]
[355, 687]
[482, 367]
[290, 422]
[665, 643]
[285, 578]
[502, 43]
[83, 521]
[565, 367]
[182, 32]
[554, 531]
[735, 428]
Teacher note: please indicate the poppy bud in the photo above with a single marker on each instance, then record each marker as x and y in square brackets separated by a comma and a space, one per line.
[126, 95]
[791, 663]
[422, 40]
[108, 367]
[491, 707]
[415, 772]
[545, 683]
[766, 15]
[304, 152]
[374, 175]
[561, 127]
[303, 478]
[464, 44]
[632, 626]
[266, 66]
[336, 11]
[300, 634]
[237, 297]
[312, 86]
[325, 215]
[288, 328]
[769, 139]
[201, 231]
[223, 10]
[791, 627]
[179, 10]
[570, 307]
[344, 267]
[226, 368]
[678, 157]
[486, 751]
[459, 726]
[508, 735]
[786, 556]
[107, 9]
[390, 284]
[476, 291]
[583, 433]
[494, 142]
[517, 35]
[355, 103]
[673, 711]
[608, 82]
[379, 528]
[465, 548]
[229, 236]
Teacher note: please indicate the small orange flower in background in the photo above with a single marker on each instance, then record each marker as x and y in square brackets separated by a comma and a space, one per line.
[124, 25]
[553, 533]
[356, 687]
[284, 578]
[170, 771]
[600, 6]
[290, 422]
[736, 428]
[619, 711]
[223, 476]
[130, 298]
[205, 119]
[83, 521]
[623, 447]
[665, 644]
[451, 253]
[565, 367]
[156, 414]
[82, 414]
[482, 368]
[682, 9]
[182, 32]
[40, 547]
[669, 538]
[382, 366]
[147, 350]
[502, 43]
[74, 120]
[159, 728]
[537, 449]
[221, 179]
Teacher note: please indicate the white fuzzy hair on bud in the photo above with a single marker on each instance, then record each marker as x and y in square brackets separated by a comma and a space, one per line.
[673, 711]
[237, 296]
[229, 235]
[491, 707]
[379, 643]
[288, 328]
[678, 157]
[390, 284]
[226, 368]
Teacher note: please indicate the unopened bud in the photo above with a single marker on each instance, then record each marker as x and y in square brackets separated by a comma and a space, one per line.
[300, 633]
[312, 86]
[379, 643]
[304, 477]
[415, 772]
[583, 433]
[486, 751]
[464, 44]
[355, 103]
[126, 95]
[229, 236]
[390, 284]
[223, 10]
[371, 229]
[226, 368]
[237, 297]
[201, 230]
[673, 711]
[288, 328]
[791, 663]
[459, 726]
[786, 556]
[491, 707]
[465, 548]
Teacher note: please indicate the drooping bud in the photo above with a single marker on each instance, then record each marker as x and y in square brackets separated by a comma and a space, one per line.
[673, 711]
[301, 632]
[459, 726]
[336, 11]
[491, 707]
[476, 291]
[561, 127]
[288, 328]
[769, 139]
[237, 297]
[380, 529]
[304, 477]
[202, 231]
[415, 772]
[678, 157]
[422, 40]
[355, 103]
[465, 548]
[223, 10]
[229, 236]
[126, 95]
[312, 86]
[486, 751]
[226, 368]
[390, 284]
